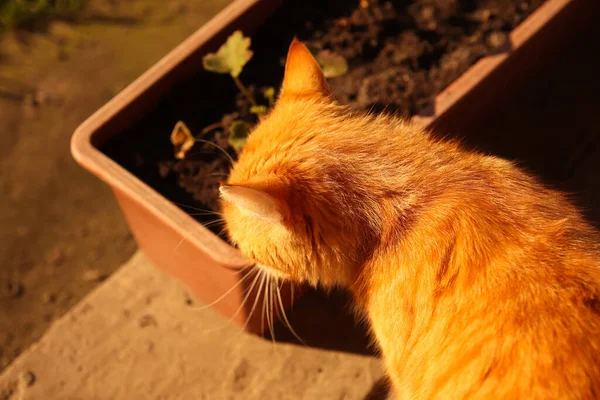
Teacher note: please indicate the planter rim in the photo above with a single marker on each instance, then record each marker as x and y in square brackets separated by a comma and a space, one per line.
[91, 158]
[483, 68]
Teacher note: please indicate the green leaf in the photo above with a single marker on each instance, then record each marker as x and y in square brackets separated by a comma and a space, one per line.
[231, 56]
[269, 94]
[258, 109]
[238, 134]
[182, 140]
[332, 64]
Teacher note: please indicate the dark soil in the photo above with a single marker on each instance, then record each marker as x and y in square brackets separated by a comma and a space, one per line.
[401, 54]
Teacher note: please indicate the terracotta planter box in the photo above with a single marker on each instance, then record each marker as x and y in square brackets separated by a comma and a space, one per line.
[184, 248]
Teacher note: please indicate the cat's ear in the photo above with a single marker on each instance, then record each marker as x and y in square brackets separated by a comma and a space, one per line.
[303, 75]
[252, 201]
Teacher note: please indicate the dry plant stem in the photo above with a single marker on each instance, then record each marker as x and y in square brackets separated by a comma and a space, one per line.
[210, 128]
[245, 91]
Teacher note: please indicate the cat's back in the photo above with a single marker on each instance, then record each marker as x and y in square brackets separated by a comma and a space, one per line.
[504, 274]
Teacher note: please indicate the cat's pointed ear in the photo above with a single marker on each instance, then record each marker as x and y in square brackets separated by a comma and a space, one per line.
[255, 202]
[303, 75]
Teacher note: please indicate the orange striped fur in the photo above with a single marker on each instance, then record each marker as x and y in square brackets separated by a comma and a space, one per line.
[478, 281]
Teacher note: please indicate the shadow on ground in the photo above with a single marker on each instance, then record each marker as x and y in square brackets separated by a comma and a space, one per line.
[326, 321]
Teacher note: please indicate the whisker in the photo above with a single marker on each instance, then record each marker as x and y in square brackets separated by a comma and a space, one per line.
[212, 223]
[183, 239]
[260, 286]
[264, 307]
[194, 208]
[218, 147]
[270, 314]
[285, 318]
[206, 213]
[250, 289]
[221, 231]
[223, 295]
[217, 174]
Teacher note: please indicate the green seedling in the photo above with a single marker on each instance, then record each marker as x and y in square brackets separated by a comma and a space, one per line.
[238, 134]
[269, 94]
[230, 59]
[258, 110]
[333, 64]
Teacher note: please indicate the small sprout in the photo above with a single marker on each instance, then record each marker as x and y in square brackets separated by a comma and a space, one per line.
[182, 140]
[230, 59]
[333, 64]
[231, 56]
[269, 94]
[258, 109]
[238, 133]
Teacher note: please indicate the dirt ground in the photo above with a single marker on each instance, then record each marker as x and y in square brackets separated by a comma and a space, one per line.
[61, 232]
[133, 338]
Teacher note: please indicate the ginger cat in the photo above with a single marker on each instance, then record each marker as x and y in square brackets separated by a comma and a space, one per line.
[478, 282]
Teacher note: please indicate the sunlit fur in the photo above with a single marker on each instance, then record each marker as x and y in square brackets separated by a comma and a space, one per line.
[478, 282]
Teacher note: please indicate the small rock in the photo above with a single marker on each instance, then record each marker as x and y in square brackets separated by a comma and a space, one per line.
[150, 298]
[496, 39]
[93, 275]
[13, 289]
[48, 297]
[148, 320]
[342, 22]
[188, 299]
[27, 379]
[242, 376]
[36, 99]
[56, 257]
[150, 346]
[427, 13]
[482, 15]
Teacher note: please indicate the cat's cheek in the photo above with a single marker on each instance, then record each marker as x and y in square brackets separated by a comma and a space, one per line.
[273, 272]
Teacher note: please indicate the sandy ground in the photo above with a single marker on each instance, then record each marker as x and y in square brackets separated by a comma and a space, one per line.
[133, 338]
[61, 232]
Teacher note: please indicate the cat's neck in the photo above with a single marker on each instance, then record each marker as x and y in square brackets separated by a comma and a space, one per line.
[448, 215]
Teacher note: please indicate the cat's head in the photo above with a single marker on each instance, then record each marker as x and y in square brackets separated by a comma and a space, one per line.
[291, 202]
